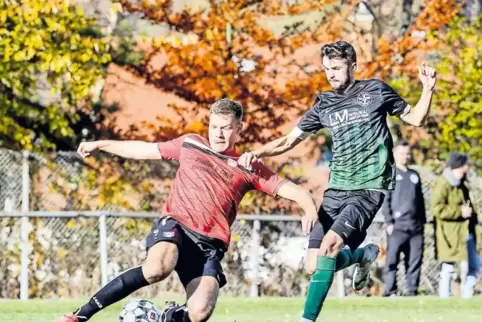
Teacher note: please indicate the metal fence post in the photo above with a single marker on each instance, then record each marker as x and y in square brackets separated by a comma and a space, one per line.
[255, 243]
[103, 248]
[25, 227]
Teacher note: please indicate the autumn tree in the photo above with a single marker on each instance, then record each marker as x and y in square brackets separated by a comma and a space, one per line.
[53, 58]
[457, 121]
[234, 55]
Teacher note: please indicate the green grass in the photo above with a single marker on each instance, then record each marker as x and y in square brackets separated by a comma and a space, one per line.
[357, 309]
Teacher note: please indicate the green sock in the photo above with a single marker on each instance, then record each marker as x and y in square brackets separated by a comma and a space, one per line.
[346, 258]
[319, 286]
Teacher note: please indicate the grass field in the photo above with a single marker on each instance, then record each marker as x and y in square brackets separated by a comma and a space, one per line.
[357, 309]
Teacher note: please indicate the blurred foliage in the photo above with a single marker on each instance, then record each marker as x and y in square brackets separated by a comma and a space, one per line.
[223, 51]
[457, 125]
[52, 59]
[455, 121]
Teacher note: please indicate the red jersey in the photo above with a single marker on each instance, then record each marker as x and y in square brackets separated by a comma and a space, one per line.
[208, 186]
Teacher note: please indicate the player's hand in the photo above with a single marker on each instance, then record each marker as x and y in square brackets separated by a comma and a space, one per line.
[427, 76]
[247, 159]
[467, 211]
[308, 221]
[390, 230]
[85, 148]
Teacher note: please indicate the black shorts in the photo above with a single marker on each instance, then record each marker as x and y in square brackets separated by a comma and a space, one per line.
[198, 255]
[347, 213]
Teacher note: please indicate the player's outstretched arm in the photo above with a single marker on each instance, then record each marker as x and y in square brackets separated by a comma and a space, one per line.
[273, 148]
[416, 116]
[305, 201]
[139, 150]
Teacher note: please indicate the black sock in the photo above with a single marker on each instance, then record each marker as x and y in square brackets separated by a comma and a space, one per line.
[117, 289]
[186, 317]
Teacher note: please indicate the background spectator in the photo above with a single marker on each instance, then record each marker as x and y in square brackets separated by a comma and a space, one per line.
[455, 225]
[404, 212]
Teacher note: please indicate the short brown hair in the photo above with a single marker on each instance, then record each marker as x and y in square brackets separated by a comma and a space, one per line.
[227, 107]
[340, 49]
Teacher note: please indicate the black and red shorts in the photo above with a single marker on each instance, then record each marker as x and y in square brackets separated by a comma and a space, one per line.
[198, 255]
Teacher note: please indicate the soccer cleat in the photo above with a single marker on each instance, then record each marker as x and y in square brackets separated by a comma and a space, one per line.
[68, 318]
[362, 269]
[171, 311]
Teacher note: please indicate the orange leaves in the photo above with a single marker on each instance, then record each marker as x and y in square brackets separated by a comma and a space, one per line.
[280, 7]
[161, 12]
[403, 55]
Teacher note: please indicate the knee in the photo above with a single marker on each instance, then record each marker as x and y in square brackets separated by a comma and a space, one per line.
[199, 311]
[155, 272]
[160, 262]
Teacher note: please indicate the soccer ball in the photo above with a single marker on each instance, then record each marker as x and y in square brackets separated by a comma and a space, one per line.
[139, 311]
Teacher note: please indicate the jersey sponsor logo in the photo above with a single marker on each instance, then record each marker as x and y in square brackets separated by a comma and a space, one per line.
[399, 177]
[364, 99]
[346, 117]
[338, 118]
[217, 171]
[414, 178]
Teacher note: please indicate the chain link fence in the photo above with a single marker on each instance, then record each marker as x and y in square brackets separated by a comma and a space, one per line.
[69, 227]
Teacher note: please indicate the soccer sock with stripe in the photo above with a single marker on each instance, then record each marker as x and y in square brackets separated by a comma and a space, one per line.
[346, 258]
[117, 289]
[320, 284]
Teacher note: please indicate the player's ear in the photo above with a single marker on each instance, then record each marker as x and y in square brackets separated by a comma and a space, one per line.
[353, 67]
[240, 127]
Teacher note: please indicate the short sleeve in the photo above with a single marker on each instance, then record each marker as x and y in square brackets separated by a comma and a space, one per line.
[392, 102]
[171, 150]
[310, 122]
[266, 180]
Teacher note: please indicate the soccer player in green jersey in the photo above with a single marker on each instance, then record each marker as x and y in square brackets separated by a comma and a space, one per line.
[355, 113]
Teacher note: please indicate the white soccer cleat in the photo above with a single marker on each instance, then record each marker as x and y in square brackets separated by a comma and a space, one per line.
[362, 269]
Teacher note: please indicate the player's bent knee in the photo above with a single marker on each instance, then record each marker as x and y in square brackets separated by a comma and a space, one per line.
[202, 293]
[199, 312]
[160, 262]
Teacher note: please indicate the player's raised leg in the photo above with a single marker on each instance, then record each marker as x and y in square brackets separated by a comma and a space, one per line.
[345, 258]
[202, 295]
[161, 261]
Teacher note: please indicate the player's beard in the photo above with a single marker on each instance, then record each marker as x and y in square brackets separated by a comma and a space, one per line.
[348, 81]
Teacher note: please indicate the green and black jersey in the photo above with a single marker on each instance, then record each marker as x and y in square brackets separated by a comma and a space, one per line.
[362, 144]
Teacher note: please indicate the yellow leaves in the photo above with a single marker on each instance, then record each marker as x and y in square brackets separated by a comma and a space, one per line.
[19, 56]
[195, 127]
[3, 16]
[209, 35]
[47, 40]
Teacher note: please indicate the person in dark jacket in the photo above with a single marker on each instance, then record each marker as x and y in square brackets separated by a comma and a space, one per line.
[404, 212]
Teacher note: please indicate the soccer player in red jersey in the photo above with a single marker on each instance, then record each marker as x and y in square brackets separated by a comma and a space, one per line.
[194, 232]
